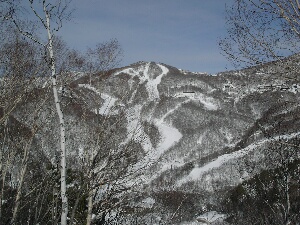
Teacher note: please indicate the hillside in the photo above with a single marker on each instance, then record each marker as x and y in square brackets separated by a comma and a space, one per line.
[182, 140]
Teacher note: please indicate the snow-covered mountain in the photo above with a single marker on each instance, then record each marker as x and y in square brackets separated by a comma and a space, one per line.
[193, 135]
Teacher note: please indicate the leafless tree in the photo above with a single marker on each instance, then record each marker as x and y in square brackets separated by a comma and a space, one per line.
[22, 68]
[260, 31]
[103, 58]
[50, 15]
[106, 165]
[272, 193]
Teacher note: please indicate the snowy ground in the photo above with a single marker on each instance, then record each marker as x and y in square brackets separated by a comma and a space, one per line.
[135, 129]
[209, 103]
[107, 106]
[109, 101]
[170, 136]
[197, 172]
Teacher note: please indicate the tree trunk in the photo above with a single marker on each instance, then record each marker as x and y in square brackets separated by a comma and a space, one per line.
[64, 198]
[90, 207]
[3, 172]
[22, 176]
[288, 204]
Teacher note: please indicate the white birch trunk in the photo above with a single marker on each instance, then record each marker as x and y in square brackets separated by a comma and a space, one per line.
[64, 198]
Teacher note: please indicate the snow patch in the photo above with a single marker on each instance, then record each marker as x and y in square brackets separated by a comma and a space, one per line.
[45, 84]
[147, 203]
[108, 104]
[173, 110]
[80, 152]
[211, 217]
[208, 102]
[200, 139]
[197, 172]
[170, 136]
[207, 218]
[135, 130]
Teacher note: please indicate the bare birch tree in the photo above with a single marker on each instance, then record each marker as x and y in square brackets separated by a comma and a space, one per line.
[105, 167]
[50, 15]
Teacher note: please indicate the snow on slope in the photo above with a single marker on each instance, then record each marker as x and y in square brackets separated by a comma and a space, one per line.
[173, 110]
[211, 217]
[197, 172]
[208, 102]
[151, 85]
[135, 129]
[107, 106]
[144, 75]
[109, 101]
[170, 136]
[207, 218]
[200, 139]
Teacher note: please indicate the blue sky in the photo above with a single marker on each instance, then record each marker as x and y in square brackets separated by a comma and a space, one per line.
[181, 33]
